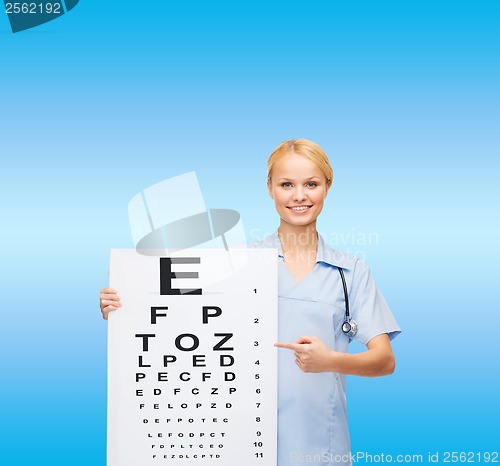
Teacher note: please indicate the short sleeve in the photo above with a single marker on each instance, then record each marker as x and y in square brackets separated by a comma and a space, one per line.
[369, 308]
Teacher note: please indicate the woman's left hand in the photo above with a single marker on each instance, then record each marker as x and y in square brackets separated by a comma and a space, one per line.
[311, 354]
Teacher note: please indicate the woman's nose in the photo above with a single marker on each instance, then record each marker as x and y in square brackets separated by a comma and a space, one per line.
[299, 194]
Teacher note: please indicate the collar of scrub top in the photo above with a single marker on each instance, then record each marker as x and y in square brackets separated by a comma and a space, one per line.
[330, 257]
[324, 254]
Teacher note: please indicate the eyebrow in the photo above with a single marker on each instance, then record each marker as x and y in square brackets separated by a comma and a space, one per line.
[307, 179]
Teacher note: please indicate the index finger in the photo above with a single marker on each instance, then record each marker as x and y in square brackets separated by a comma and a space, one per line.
[109, 291]
[291, 346]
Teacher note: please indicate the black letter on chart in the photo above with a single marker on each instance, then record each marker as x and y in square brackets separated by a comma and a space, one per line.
[178, 340]
[206, 314]
[166, 275]
[145, 339]
[154, 315]
[226, 336]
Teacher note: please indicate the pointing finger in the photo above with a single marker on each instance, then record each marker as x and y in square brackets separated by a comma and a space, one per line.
[291, 346]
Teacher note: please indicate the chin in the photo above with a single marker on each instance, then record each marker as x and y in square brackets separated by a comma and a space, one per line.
[299, 222]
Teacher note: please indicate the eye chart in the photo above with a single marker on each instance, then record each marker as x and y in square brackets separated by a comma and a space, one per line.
[192, 370]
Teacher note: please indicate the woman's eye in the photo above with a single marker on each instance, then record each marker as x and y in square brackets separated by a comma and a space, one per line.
[286, 185]
[311, 184]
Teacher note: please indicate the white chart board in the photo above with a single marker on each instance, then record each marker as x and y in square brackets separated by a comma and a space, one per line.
[192, 377]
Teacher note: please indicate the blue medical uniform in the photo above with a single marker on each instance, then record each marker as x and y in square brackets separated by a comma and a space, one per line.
[312, 413]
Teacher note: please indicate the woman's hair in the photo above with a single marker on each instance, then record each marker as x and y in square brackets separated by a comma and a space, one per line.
[303, 147]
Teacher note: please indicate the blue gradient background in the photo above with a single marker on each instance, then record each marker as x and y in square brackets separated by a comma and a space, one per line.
[116, 96]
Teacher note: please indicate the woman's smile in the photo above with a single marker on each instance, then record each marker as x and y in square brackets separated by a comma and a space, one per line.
[299, 208]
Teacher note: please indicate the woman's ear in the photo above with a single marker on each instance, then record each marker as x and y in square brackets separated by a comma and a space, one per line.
[328, 186]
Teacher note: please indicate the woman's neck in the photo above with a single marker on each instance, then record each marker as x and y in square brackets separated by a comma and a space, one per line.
[297, 240]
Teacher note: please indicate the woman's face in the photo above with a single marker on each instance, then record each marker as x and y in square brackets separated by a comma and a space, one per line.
[298, 188]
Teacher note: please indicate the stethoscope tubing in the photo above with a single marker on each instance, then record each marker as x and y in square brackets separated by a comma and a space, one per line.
[350, 327]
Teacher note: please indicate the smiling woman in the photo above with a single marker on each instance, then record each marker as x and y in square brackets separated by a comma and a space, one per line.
[312, 415]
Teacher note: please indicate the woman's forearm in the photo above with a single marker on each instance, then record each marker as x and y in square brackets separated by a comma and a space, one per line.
[373, 362]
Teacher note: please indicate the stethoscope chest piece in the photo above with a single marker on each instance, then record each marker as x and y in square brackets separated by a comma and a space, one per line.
[350, 327]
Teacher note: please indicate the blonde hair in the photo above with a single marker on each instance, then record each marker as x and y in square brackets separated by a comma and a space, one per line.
[303, 147]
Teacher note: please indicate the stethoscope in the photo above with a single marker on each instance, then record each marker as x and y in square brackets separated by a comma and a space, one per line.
[349, 327]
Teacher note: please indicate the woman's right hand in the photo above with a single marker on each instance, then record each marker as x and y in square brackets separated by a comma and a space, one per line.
[110, 301]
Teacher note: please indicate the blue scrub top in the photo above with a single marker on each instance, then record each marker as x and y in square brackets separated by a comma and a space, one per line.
[312, 413]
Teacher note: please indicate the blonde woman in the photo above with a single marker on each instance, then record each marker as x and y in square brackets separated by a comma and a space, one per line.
[314, 281]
